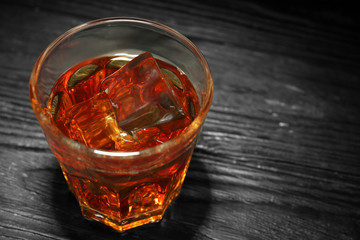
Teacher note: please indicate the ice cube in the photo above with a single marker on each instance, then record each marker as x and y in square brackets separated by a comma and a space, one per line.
[141, 95]
[92, 122]
[84, 82]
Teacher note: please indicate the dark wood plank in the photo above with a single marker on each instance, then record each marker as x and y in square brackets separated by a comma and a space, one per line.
[279, 157]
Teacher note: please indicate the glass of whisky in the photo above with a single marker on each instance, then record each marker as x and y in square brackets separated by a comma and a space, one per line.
[121, 102]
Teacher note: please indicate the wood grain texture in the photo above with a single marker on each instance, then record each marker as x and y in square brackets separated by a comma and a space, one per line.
[279, 157]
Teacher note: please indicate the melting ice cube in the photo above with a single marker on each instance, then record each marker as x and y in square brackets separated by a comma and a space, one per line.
[92, 122]
[141, 95]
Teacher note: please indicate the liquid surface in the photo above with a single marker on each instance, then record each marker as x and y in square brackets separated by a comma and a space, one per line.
[142, 111]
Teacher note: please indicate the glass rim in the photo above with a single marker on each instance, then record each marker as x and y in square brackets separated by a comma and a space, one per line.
[181, 140]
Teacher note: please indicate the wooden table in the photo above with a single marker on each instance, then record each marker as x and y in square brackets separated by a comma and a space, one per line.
[279, 156]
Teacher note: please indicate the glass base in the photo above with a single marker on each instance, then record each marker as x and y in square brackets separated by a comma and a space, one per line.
[123, 224]
[125, 207]
[127, 223]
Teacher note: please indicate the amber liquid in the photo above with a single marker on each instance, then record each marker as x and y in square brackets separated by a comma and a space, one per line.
[117, 199]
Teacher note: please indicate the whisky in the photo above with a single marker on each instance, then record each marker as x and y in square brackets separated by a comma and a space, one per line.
[77, 91]
[114, 104]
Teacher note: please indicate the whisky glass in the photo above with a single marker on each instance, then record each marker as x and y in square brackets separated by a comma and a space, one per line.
[121, 189]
